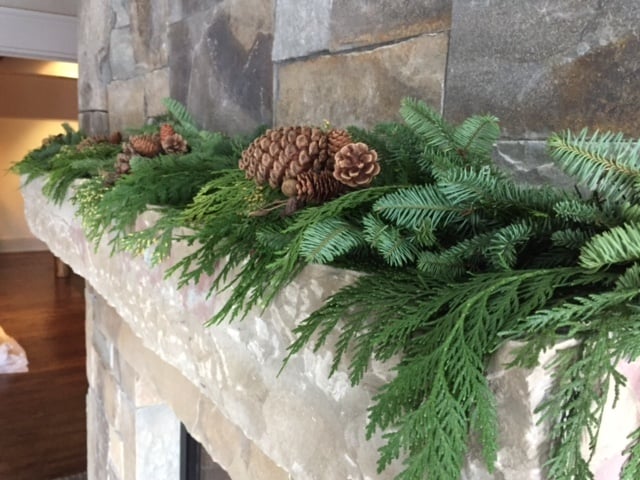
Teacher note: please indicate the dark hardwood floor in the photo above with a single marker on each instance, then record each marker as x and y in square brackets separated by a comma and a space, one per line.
[42, 412]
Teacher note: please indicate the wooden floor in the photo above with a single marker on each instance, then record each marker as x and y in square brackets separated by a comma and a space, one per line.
[42, 412]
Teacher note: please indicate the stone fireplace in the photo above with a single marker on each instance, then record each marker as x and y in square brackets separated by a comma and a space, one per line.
[236, 64]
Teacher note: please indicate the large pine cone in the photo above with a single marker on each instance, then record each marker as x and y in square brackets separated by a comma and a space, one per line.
[284, 153]
[146, 145]
[313, 187]
[356, 165]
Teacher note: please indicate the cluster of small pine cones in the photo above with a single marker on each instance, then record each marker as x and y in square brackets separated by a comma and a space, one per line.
[150, 145]
[308, 164]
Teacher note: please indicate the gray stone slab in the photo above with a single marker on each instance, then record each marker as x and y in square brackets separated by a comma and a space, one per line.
[363, 22]
[126, 104]
[220, 66]
[94, 123]
[156, 89]
[180, 9]
[121, 12]
[149, 32]
[306, 27]
[121, 59]
[545, 66]
[528, 162]
[95, 23]
[362, 88]
[302, 27]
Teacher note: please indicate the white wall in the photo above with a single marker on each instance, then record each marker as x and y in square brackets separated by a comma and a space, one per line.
[32, 107]
[60, 7]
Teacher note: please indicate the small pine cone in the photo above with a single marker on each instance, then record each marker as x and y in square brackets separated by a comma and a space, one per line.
[284, 153]
[356, 165]
[146, 145]
[85, 143]
[115, 138]
[313, 187]
[166, 130]
[174, 143]
[337, 138]
[123, 164]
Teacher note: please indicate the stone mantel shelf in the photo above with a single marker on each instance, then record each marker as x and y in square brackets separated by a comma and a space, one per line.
[310, 426]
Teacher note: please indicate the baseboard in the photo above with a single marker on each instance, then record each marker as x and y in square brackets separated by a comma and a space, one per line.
[21, 245]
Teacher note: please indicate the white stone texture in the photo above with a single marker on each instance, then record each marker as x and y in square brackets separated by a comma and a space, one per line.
[157, 443]
[222, 381]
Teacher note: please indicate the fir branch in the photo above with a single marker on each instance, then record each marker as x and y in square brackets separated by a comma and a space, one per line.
[617, 245]
[477, 135]
[412, 207]
[428, 123]
[604, 162]
[501, 250]
[326, 240]
[181, 115]
[396, 249]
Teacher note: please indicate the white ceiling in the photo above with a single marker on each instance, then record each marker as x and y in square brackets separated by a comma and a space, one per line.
[61, 7]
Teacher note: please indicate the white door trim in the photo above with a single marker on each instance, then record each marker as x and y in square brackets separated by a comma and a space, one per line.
[39, 35]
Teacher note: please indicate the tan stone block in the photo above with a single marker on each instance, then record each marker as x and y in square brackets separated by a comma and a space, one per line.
[261, 466]
[362, 88]
[116, 454]
[110, 398]
[126, 103]
[103, 348]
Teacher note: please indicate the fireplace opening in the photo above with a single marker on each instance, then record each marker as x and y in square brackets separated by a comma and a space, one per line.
[195, 462]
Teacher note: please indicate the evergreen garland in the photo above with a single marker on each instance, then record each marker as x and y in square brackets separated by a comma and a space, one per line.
[456, 258]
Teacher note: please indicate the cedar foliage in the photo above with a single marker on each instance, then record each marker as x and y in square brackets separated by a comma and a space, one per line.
[456, 258]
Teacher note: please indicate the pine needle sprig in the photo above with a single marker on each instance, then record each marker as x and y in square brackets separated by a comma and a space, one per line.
[428, 123]
[309, 224]
[617, 245]
[603, 162]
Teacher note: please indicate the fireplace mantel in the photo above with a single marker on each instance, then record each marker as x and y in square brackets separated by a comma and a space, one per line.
[151, 360]
[309, 425]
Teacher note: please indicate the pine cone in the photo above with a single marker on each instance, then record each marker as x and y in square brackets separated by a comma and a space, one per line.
[337, 138]
[313, 187]
[356, 165]
[115, 138]
[146, 145]
[123, 165]
[174, 143]
[166, 130]
[284, 153]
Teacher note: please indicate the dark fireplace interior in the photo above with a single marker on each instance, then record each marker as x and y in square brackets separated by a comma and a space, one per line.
[195, 462]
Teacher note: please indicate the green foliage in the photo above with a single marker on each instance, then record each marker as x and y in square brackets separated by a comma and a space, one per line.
[455, 259]
[38, 161]
[603, 162]
[70, 164]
